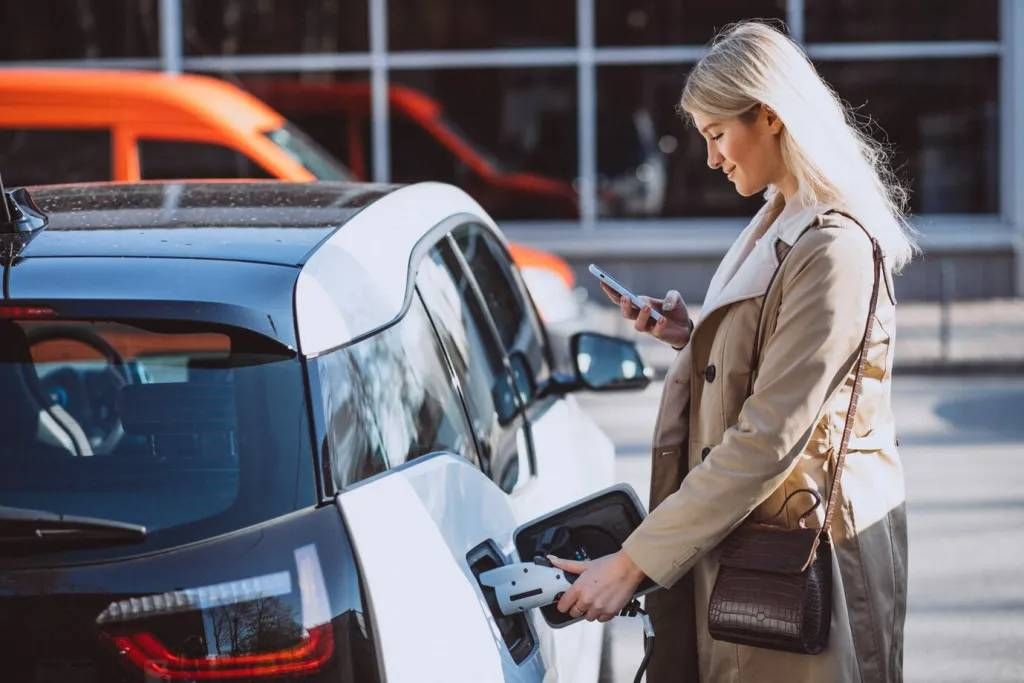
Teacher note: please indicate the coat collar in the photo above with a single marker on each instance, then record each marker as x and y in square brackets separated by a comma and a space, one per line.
[750, 278]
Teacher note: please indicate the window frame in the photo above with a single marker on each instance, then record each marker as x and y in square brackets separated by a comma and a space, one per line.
[490, 329]
[510, 272]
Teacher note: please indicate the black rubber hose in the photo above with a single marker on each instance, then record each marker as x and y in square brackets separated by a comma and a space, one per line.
[648, 648]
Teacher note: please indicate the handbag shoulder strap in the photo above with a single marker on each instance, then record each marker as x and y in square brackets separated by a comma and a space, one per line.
[858, 367]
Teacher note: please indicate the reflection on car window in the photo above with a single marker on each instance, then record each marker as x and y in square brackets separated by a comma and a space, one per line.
[187, 430]
[506, 300]
[389, 399]
[476, 359]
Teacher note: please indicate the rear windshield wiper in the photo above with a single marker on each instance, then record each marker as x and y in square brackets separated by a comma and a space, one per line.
[25, 526]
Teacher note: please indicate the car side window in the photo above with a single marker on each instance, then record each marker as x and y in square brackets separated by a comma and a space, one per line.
[389, 399]
[176, 159]
[43, 156]
[478, 363]
[506, 300]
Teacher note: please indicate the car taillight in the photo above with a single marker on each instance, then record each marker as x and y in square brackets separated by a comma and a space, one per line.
[152, 656]
[157, 634]
[26, 312]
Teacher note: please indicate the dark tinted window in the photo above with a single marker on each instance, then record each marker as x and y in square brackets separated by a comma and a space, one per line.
[505, 297]
[187, 430]
[454, 25]
[417, 155]
[503, 122]
[476, 357]
[389, 399]
[228, 27]
[650, 163]
[84, 29]
[941, 117]
[671, 22]
[332, 107]
[33, 156]
[842, 20]
[173, 159]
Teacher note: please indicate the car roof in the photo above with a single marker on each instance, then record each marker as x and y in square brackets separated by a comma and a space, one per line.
[315, 265]
[83, 96]
[268, 222]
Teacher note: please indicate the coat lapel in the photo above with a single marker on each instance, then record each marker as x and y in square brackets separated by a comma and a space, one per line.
[754, 274]
[750, 280]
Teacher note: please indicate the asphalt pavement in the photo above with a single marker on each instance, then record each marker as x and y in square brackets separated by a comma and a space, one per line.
[962, 445]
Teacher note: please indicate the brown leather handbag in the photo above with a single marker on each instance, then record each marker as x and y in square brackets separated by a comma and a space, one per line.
[774, 584]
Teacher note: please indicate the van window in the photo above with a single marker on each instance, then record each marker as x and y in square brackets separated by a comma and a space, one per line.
[44, 156]
[175, 159]
[311, 155]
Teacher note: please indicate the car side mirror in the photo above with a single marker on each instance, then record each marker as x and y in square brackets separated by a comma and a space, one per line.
[606, 363]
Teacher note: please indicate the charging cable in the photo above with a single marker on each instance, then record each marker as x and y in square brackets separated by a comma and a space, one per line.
[633, 609]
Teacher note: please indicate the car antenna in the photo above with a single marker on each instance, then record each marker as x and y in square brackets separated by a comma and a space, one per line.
[22, 221]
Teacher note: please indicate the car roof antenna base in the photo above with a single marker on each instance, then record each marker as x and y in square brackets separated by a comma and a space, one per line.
[20, 221]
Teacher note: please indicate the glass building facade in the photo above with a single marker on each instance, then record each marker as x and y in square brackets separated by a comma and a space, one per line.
[559, 116]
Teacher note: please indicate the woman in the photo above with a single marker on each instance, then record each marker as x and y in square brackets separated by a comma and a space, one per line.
[720, 456]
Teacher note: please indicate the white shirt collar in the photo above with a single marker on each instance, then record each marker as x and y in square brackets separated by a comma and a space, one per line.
[794, 218]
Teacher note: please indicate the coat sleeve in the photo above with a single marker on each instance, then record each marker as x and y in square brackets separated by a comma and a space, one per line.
[826, 291]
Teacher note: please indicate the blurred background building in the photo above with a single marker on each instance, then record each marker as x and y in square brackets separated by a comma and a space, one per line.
[559, 115]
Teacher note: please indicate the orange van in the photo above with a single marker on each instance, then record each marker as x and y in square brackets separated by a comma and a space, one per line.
[64, 125]
[78, 125]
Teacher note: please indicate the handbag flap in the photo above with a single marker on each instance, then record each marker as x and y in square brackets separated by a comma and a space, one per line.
[768, 548]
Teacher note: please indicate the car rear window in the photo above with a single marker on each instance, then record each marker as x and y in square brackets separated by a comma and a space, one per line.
[189, 430]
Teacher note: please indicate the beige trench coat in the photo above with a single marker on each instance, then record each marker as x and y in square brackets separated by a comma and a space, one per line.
[719, 456]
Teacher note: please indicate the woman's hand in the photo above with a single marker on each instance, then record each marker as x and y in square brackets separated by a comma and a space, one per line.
[603, 588]
[674, 327]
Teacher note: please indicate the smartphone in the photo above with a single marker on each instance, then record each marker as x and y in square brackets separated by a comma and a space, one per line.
[614, 284]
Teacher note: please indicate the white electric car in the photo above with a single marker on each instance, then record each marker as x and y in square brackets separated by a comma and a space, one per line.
[261, 430]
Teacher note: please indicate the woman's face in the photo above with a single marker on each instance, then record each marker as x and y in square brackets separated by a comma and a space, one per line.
[748, 150]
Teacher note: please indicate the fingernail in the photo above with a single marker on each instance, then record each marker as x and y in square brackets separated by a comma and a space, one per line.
[552, 558]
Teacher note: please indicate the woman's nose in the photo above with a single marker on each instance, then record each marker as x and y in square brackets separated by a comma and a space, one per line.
[714, 158]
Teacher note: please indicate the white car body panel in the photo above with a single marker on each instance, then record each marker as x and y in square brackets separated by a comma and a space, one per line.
[412, 529]
[339, 296]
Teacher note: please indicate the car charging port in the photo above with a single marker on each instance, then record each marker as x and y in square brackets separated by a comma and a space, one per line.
[515, 629]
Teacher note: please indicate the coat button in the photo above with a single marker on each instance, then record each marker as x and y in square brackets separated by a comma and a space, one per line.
[709, 374]
[704, 452]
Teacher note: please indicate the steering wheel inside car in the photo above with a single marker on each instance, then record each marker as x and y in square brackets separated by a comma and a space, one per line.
[90, 398]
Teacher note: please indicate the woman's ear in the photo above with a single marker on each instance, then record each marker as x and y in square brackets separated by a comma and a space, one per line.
[772, 119]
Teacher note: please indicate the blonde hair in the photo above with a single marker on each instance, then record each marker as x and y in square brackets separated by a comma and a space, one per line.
[832, 158]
